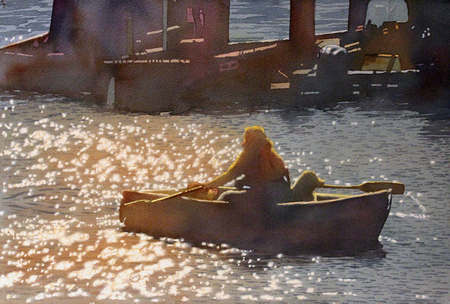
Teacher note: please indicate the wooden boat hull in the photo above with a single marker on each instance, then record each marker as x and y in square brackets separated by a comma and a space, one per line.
[345, 225]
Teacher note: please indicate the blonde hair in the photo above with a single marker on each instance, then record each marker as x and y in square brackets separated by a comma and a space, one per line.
[255, 138]
[256, 128]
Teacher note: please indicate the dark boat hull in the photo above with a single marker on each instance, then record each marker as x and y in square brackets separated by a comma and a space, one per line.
[338, 226]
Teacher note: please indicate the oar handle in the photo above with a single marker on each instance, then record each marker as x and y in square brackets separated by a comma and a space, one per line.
[189, 190]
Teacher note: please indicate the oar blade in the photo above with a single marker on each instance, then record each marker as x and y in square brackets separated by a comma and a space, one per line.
[397, 188]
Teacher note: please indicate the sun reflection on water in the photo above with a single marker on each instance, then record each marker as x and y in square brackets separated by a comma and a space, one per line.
[64, 167]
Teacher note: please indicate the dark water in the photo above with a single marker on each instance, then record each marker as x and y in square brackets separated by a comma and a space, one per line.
[64, 164]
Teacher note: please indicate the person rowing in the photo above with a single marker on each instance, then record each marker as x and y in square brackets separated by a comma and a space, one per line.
[266, 179]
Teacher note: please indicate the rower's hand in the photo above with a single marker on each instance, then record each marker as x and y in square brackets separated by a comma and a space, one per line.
[195, 184]
[205, 193]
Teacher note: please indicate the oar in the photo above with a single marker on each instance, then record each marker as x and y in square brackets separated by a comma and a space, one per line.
[167, 197]
[397, 188]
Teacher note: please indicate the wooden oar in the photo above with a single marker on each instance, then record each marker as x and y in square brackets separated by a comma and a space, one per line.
[181, 193]
[397, 188]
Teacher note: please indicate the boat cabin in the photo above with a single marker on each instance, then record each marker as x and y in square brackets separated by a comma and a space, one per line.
[118, 28]
[168, 50]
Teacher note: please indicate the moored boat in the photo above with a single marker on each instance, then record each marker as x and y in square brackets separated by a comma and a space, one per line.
[332, 224]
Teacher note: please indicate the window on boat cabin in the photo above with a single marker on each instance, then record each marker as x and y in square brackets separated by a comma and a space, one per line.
[380, 11]
[331, 16]
[261, 20]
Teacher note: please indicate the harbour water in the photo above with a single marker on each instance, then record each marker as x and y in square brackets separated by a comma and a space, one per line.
[64, 164]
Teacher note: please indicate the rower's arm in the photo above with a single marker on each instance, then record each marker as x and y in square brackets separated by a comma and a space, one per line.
[233, 172]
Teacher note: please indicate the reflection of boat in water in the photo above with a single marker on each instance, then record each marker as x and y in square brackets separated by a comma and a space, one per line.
[170, 56]
[334, 224]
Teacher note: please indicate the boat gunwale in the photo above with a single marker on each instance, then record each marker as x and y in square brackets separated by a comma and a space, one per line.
[302, 226]
[339, 198]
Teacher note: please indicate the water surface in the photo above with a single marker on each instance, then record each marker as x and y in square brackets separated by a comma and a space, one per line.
[65, 164]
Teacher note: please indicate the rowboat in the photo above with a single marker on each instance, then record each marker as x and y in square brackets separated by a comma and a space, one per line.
[331, 224]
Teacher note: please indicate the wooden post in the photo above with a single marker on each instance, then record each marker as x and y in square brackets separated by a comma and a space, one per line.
[164, 25]
[111, 96]
[302, 32]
